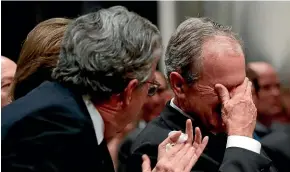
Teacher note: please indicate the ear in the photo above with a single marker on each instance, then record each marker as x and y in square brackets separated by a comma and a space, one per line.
[127, 95]
[177, 84]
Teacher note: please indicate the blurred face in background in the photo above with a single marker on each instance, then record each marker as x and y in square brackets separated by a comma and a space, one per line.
[155, 104]
[269, 96]
[8, 69]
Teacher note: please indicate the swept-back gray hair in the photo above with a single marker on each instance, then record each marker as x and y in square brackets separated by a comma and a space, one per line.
[183, 53]
[104, 50]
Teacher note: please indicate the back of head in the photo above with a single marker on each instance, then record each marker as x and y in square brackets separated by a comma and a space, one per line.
[38, 56]
[102, 51]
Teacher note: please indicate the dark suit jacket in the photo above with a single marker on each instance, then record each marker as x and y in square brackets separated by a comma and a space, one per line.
[261, 130]
[125, 149]
[50, 130]
[212, 159]
[277, 146]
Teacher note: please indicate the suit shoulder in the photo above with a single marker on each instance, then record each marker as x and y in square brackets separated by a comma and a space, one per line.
[47, 104]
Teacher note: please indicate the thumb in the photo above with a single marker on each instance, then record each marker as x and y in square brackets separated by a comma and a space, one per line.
[222, 92]
[146, 166]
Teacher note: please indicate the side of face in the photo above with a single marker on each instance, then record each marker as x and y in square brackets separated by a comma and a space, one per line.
[135, 95]
[269, 96]
[8, 69]
[223, 62]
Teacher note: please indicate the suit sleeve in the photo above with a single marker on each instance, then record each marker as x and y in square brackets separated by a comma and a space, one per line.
[242, 160]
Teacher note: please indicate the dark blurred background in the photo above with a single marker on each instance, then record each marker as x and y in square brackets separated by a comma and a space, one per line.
[19, 18]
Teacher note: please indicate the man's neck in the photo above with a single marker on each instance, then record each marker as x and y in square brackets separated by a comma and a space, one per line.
[109, 117]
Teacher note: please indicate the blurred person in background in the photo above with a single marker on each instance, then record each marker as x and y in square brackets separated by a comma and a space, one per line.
[276, 144]
[286, 102]
[38, 56]
[155, 103]
[151, 109]
[274, 138]
[268, 96]
[105, 69]
[284, 119]
[205, 65]
[8, 68]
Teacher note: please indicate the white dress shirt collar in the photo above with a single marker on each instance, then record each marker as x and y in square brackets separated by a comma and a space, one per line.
[178, 109]
[97, 119]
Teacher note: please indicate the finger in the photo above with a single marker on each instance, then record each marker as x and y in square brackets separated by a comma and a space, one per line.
[197, 136]
[180, 155]
[222, 93]
[174, 152]
[249, 89]
[245, 85]
[189, 160]
[162, 148]
[189, 131]
[146, 167]
[201, 146]
[171, 139]
[197, 153]
[184, 156]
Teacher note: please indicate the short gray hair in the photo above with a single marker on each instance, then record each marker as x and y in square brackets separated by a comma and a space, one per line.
[183, 53]
[104, 50]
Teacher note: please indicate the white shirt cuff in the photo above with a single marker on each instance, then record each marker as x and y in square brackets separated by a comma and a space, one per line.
[244, 142]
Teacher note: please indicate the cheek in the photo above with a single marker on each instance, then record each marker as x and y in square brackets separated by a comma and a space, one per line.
[212, 108]
[215, 106]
